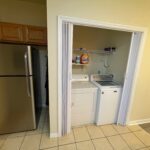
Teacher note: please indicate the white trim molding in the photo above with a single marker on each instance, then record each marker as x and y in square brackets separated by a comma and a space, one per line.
[136, 122]
[54, 135]
[101, 24]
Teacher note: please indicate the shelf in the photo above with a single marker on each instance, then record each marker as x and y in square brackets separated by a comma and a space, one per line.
[102, 52]
[79, 64]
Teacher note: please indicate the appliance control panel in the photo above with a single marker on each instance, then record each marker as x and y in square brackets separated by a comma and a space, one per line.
[98, 77]
[80, 77]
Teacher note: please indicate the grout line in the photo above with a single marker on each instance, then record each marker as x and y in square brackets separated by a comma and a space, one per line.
[136, 137]
[140, 139]
[75, 142]
[108, 139]
[121, 136]
[90, 137]
[96, 138]
[74, 138]
[88, 132]
[40, 141]
[125, 141]
[22, 142]
[128, 133]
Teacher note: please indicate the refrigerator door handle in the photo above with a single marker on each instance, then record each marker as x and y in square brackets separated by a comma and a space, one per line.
[27, 74]
[26, 64]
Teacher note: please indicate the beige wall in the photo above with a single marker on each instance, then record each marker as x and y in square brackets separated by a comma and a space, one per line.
[135, 12]
[92, 39]
[118, 60]
[22, 12]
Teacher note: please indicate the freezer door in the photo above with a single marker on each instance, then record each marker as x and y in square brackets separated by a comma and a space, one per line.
[12, 59]
[16, 104]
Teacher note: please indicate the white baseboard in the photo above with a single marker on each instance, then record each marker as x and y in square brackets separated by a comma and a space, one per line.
[54, 135]
[136, 122]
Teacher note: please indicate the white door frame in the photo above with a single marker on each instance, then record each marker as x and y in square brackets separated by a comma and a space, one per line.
[103, 25]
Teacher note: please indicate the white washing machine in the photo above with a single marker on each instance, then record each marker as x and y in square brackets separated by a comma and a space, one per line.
[109, 95]
[84, 97]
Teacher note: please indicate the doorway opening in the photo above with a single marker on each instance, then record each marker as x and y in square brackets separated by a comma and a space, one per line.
[40, 82]
[66, 26]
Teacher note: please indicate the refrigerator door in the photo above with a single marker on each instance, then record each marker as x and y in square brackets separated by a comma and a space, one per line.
[17, 111]
[12, 59]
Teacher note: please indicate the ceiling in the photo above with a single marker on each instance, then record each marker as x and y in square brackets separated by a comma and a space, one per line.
[35, 1]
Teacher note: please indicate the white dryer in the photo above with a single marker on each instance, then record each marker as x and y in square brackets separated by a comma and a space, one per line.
[84, 96]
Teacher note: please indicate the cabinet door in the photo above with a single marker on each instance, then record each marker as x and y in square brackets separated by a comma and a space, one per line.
[36, 35]
[11, 32]
[83, 108]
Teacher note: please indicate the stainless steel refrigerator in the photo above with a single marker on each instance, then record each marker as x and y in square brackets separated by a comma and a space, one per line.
[17, 110]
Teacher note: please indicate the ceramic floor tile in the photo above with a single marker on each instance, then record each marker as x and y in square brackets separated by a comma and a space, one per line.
[86, 145]
[95, 132]
[68, 147]
[134, 128]
[118, 143]
[102, 144]
[121, 129]
[143, 136]
[47, 142]
[81, 134]
[12, 143]
[54, 148]
[31, 142]
[108, 130]
[132, 141]
[16, 134]
[67, 139]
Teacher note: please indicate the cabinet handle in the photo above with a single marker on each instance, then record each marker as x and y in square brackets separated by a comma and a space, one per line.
[115, 91]
[102, 92]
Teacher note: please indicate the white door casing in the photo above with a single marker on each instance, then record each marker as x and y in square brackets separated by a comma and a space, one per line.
[104, 25]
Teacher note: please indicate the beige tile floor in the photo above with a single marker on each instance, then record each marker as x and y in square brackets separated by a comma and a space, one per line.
[89, 137]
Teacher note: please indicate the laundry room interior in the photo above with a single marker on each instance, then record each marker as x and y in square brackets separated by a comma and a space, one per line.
[99, 56]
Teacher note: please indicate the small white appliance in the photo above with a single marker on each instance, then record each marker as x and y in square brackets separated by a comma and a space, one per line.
[84, 96]
[108, 98]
